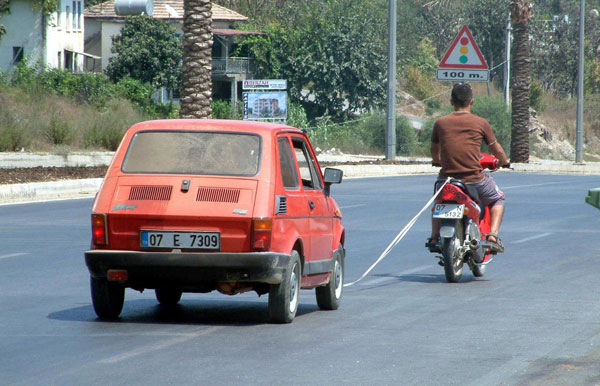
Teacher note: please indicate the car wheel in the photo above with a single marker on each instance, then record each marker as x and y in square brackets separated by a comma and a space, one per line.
[284, 297]
[330, 296]
[167, 296]
[107, 298]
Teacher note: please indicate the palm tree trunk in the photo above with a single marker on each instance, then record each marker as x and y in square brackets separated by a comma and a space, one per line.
[521, 12]
[196, 85]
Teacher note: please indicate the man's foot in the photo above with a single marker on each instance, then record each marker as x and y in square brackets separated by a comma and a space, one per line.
[493, 238]
[433, 244]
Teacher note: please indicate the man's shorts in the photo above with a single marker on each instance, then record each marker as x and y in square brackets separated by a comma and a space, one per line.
[489, 193]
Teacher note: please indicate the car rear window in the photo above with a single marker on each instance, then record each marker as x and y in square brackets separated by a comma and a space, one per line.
[184, 152]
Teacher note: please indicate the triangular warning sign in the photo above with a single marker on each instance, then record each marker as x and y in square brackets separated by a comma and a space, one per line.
[463, 52]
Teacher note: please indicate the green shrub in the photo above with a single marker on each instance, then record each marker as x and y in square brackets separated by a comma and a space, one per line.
[24, 75]
[59, 132]
[421, 86]
[297, 117]
[494, 110]
[91, 88]
[221, 109]
[12, 138]
[137, 92]
[536, 96]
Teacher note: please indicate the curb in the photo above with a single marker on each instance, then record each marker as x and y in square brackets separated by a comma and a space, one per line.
[38, 191]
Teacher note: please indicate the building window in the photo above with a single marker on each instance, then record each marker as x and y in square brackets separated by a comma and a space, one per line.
[59, 60]
[69, 16]
[79, 15]
[58, 15]
[17, 54]
[74, 15]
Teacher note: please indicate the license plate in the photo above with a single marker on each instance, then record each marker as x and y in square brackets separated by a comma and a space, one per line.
[448, 210]
[181, 240]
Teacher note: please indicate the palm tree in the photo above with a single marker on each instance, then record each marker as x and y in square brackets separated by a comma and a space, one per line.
[521, 12]
[196, 86]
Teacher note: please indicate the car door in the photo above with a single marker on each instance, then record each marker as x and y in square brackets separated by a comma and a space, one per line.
[321, 219]
[291, 207]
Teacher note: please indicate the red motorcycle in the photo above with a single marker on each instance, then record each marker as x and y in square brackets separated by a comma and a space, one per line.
[464, 224]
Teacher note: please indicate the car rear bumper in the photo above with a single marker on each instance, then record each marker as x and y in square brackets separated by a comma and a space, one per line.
[188, 270]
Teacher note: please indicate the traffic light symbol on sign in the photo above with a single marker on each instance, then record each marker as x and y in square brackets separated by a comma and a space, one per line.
[464, 53]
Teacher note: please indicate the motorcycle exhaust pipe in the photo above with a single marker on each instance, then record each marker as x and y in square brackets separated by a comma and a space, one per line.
[477, 250]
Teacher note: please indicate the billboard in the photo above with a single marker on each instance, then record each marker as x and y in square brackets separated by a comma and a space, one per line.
[259, 105]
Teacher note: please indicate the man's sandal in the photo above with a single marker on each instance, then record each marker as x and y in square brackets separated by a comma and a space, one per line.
[497, 245]
[433, 244]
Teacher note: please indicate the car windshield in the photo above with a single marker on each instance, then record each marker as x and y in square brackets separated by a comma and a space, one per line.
[185, 152]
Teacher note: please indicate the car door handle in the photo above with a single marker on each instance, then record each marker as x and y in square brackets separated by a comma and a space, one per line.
[311, 204]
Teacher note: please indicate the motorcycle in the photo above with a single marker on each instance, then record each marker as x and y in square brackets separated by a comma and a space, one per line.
[464, 226]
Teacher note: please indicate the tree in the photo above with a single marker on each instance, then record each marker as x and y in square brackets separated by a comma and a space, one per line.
[332, 56]
[148, 50]
[521, 12]
[196, 87]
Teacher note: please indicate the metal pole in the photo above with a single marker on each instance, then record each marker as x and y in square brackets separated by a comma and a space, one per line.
[507, 63]
[390, 129]
[579, 136]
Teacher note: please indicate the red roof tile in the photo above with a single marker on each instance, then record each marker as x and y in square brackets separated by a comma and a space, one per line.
[163, 9]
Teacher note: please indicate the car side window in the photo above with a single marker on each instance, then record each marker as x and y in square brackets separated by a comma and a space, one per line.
[307, 165]
[289, 176]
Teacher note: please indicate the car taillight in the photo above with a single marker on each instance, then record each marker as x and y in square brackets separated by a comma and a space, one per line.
[99, 236]
[261, 233]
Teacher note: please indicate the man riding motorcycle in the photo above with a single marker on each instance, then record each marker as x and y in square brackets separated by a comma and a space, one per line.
[455, 146]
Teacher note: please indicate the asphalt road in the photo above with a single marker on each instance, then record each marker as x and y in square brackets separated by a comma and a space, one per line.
[533, 319]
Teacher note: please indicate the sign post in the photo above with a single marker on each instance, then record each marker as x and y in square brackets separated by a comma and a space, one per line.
[463, 61]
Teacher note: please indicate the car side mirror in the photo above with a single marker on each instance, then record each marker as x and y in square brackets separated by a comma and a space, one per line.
[332, 176]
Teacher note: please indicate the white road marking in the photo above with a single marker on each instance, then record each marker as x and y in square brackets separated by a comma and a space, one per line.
[532, 185]
[158, 346]
[12, 255]
[387, 278]
[541, 235]
[352, 206]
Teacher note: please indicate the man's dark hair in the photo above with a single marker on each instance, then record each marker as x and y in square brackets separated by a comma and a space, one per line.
[461, 94]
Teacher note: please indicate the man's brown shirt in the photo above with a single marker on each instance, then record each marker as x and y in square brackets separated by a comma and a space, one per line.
[460, 135]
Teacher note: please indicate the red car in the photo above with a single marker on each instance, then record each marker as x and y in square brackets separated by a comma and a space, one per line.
[203, 205]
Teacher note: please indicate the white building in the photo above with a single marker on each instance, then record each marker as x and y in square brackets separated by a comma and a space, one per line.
[56, 40]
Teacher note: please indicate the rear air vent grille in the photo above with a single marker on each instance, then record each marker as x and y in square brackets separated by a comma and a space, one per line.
[281, 205]
[150, 193]
[218, 195]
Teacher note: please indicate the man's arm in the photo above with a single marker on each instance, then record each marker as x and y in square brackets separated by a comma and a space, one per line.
[435, 154]
[498, 152]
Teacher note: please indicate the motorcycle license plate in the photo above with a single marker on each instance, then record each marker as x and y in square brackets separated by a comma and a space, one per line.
[448, 210]
[184, 240]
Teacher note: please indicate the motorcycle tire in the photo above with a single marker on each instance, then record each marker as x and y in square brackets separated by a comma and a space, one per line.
[451, 254]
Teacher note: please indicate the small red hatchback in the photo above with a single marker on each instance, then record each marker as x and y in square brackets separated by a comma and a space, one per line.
[203, 205]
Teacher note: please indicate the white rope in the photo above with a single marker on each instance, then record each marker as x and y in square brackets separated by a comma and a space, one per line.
[399, 236]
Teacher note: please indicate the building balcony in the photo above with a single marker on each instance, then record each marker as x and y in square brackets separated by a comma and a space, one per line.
[226, 66]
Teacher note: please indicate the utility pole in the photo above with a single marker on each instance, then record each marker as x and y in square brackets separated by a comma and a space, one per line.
[390, 128]
[579, 131]
[507, 62]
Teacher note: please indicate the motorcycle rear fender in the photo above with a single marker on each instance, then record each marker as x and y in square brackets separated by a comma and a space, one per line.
[448, 228]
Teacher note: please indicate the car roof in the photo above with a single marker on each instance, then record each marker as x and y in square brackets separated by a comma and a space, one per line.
[263, 128]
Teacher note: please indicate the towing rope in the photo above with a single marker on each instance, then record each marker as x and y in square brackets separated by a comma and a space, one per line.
[399, 236]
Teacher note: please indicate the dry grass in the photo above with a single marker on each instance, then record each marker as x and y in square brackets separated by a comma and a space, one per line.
[45, 122]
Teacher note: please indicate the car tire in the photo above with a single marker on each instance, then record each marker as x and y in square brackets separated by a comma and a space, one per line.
[167, 296]
[329, 297]
[284, 297]
[107, 298]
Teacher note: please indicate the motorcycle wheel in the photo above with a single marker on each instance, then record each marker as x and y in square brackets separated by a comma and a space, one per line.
[478, 270]
[452, 256]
